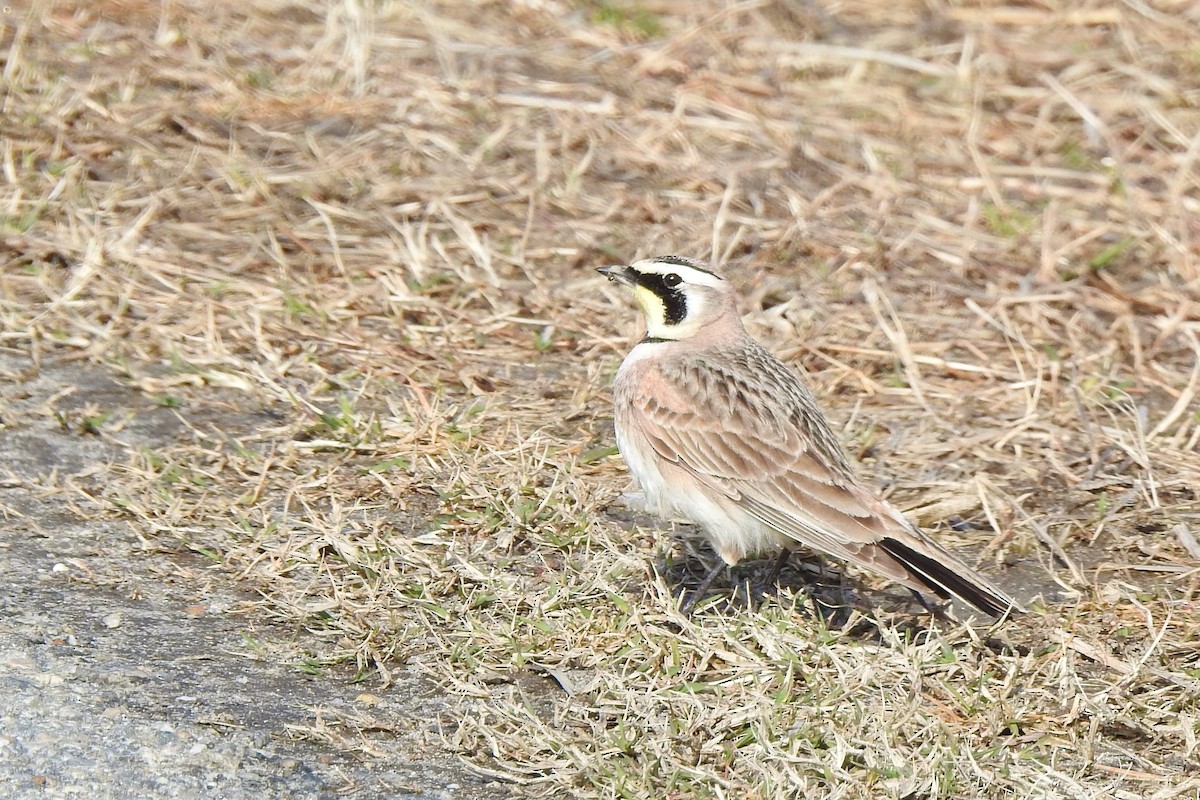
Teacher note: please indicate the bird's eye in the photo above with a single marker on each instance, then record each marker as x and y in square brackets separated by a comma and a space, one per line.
[671, 279]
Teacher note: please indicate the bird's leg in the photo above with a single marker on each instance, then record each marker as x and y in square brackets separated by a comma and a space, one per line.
[755, 593]
[689, 603]
[777, 567]
[938, 612]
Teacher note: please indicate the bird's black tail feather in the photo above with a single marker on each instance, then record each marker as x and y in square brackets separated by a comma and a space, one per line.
[944, 580]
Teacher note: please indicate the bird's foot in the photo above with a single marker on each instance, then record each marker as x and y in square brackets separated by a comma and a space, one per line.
[690, 599]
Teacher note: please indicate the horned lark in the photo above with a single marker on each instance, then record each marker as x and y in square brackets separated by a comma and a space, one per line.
[717, 430]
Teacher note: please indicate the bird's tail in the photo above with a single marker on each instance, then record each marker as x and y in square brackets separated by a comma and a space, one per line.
[947, 576]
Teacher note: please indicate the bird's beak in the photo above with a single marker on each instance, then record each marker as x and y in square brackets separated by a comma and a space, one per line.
[620, 273]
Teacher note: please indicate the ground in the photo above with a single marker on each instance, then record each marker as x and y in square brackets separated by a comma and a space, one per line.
[299, 309]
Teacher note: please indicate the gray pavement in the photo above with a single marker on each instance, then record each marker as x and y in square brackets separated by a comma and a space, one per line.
[130, 672]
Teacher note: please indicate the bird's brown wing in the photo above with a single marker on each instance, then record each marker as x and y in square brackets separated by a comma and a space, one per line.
[752, 450]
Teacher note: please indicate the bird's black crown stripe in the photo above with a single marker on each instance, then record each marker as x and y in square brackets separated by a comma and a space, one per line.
[680, 261]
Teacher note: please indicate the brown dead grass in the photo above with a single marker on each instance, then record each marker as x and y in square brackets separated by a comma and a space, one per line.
[976, 226]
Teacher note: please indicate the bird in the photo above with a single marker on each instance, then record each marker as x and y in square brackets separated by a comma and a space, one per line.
[716, 430]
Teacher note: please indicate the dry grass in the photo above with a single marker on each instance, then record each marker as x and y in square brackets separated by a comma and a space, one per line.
[376, 223]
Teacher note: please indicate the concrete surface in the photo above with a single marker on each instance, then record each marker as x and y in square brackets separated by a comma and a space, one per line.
[133, 673]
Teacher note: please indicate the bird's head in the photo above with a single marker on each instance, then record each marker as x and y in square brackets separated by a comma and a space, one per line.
[680, 297]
